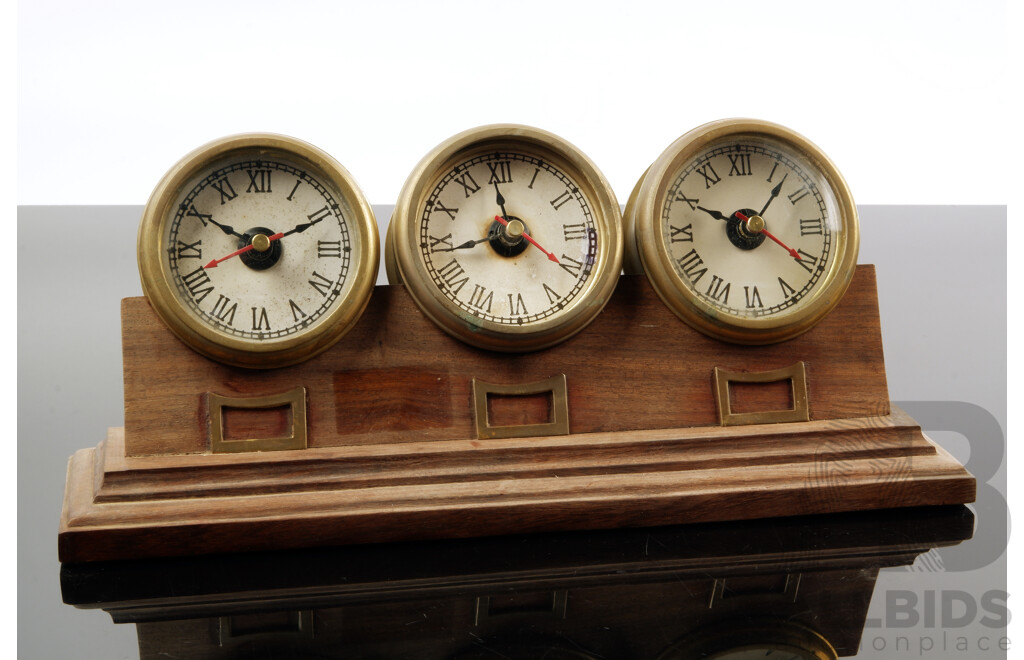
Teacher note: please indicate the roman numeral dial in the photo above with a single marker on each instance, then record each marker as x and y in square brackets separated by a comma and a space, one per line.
[270, 247]
[747, 229]
[522, 262]
[742, 207]
[505, 242]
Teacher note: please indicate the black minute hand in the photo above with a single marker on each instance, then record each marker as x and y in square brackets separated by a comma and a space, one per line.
[501, 201]
[775, 193]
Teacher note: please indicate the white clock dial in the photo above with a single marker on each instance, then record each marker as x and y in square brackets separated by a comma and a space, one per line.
[289, 286]
[711, 216]
[258, 250]
[745, 230]
[507, 237]
[475, 260]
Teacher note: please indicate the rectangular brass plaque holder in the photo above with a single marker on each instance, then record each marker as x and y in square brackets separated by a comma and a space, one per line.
[552, 603]
[787, 593]
[796, 374]
[285, 626]
[555, 386]
[294, 400]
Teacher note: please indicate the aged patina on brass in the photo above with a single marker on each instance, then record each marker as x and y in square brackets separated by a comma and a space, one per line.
[296, 291]
[558, 423]
[719, 245]
[489, 280]
[795, 374]
[294, 400]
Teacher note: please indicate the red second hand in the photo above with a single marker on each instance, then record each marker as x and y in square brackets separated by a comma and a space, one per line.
[213, 264]
[793, 253]
[529, 238]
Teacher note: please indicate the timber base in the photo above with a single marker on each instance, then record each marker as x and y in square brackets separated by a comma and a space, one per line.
[120, 508]
[400, 432]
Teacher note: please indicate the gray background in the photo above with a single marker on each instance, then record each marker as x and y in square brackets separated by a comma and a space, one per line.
[942, 291]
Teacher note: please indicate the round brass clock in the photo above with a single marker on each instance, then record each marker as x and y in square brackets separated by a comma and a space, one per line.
[507, 237]
[258, 250]
[753, 640]
[746, 230]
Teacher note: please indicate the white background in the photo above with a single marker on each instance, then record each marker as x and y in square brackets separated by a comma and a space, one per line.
[908, 98]
[912, 100]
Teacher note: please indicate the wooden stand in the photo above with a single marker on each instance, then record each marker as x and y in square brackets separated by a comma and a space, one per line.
[400, 432]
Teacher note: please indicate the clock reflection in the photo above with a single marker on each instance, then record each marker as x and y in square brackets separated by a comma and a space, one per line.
[784, 589]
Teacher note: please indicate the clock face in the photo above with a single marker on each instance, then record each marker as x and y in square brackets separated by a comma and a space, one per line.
[508, 238]
[709, 225]
[260, 296]
[259, 251]
[746, 230]
[492, 271]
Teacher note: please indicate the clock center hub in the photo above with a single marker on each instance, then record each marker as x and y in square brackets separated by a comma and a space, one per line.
[755, 225]
[515, 230]
[507, 240]
[260, 243]
[746, 235]
[264, 253]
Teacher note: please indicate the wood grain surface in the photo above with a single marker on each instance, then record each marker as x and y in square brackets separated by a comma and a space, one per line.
[397, 378]
[119, 507]
[393, 453]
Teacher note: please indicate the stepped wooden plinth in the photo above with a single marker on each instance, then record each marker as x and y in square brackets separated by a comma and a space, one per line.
[394, 451]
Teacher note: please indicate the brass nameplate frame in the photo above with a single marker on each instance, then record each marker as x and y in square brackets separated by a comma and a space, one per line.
[787, 593]
[551, 603]
[280, 627]
[294, 399]
[796, 374]
[559, 424]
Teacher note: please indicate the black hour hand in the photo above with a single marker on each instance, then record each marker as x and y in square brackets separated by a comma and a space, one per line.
[775, 193]
[717, 215]
[208, 217]
[468, 244]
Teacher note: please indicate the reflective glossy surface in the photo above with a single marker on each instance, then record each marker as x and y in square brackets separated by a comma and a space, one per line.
[670, 592]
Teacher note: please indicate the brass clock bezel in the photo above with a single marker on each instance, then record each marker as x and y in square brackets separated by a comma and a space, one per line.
[726, 639]
[295, 348]
[404, 265]
[647, 250]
